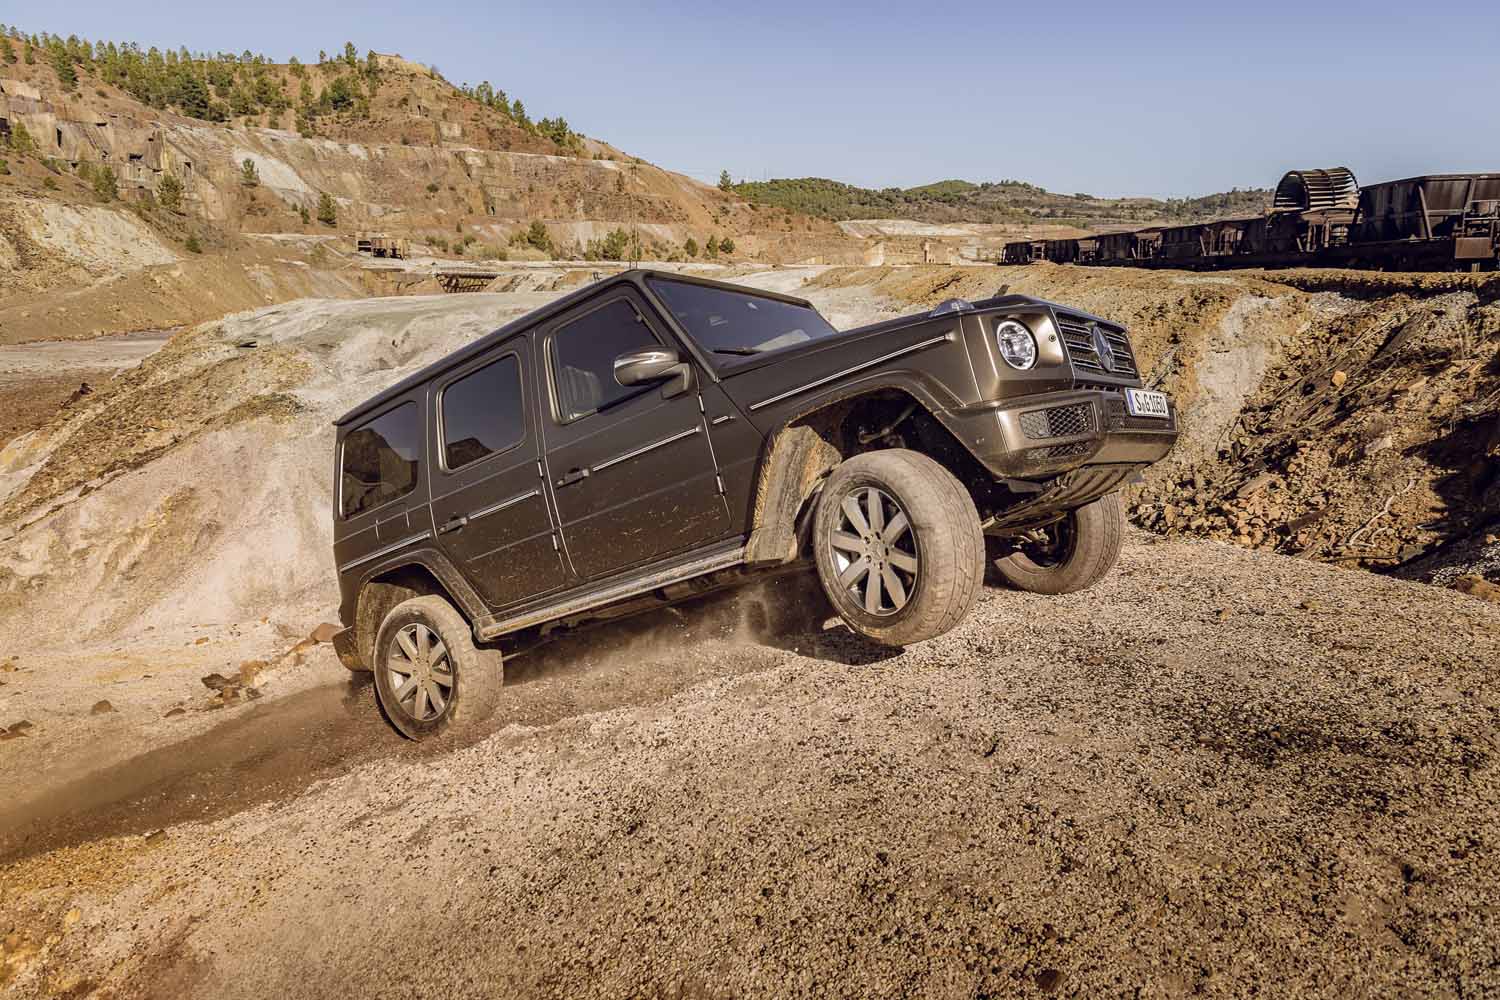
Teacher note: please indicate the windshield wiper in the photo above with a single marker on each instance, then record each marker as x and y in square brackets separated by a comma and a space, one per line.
[743, 352]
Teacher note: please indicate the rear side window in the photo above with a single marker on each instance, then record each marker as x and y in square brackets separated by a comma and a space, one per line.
[584, 353]
[381, 460]
[482, 413]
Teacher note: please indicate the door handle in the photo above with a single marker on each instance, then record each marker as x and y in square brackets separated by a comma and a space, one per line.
[453, 524]
[577, 475]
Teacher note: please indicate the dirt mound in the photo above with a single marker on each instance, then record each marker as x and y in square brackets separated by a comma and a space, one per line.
[195, 486]
[1184, 781]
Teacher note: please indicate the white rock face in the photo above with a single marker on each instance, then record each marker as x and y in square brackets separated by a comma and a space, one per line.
[99, 238]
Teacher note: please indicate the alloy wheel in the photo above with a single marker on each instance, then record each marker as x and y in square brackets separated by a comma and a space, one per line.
[875, 551]
[421, 673]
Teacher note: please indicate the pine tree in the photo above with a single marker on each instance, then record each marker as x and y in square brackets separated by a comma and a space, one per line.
[725, 183]
[328, 210]
[690, 247]
[62, 65]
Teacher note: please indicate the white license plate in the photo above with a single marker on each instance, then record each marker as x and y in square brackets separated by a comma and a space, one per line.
[1145, 403]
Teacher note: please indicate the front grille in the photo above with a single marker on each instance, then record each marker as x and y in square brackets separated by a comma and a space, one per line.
[1059, 421]
[1078, 336]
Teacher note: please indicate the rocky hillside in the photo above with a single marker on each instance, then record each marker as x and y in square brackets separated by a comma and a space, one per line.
[167, 157]
[995, 202]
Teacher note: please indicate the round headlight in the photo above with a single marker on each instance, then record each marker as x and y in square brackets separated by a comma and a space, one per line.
[1017, 345]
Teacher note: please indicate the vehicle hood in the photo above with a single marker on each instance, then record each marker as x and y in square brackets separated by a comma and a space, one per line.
[922, 353]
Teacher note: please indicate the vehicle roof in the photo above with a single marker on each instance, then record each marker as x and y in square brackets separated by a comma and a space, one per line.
[635, 277]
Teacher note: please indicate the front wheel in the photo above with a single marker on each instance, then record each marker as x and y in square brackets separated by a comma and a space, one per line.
[429, 674]
[1068, 555]
[898, 546]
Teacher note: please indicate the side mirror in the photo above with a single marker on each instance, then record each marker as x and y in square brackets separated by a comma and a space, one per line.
[655, 364]
[642, 367]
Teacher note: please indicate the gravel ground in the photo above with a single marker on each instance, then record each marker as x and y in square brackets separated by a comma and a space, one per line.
[1222, 772]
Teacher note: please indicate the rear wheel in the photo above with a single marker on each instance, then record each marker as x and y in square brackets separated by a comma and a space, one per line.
[429, 675]
[1068, 555]
[898, 546]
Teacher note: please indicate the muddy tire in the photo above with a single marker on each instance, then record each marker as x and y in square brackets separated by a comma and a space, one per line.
[1081, 549]
[898, 547]
[429, 675]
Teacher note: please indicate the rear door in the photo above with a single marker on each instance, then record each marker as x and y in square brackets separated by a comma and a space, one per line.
[631, 467]
[489, 500]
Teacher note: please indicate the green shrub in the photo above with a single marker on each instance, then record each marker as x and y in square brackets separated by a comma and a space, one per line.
[192, 245]
[614, 246]
[303, 214]
[537, 236]
[433, 188]
[4, 167]
[170, 192]
[328, 210]
[690, 247]
[249, 175]
[726, 245]
[105, 184]
[20, 140]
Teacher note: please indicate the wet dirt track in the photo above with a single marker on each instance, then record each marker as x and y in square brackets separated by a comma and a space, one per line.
[1218, 773]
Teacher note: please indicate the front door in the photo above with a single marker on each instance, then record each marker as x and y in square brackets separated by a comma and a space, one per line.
[489, 500]
[630, 466]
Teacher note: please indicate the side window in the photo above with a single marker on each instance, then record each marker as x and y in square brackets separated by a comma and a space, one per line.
[584, 353]
[483, 413]
[381, 459]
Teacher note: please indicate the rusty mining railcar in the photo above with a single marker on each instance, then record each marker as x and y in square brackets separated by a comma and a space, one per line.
[1024, 252]
[1435, 222]
[1322, 218]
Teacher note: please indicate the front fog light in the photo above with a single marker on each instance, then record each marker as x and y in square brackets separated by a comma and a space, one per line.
[1017, 345]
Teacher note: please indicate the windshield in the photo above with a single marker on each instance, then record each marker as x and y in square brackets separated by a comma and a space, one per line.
[735, 326]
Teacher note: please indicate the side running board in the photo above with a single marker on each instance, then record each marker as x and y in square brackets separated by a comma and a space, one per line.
[486, 630]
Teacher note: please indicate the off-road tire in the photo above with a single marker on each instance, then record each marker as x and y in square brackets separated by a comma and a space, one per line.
[1096, 530]
[477, 673]
[948, 541]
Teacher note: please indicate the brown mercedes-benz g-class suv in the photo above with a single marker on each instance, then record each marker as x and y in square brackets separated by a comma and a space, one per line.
[652, 437]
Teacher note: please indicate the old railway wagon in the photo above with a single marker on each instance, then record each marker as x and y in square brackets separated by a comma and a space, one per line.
[1318, 218]
[1437, 222]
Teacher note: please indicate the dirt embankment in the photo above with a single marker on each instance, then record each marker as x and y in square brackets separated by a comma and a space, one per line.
[1219, 770]
[75, 270]
[1338, 416]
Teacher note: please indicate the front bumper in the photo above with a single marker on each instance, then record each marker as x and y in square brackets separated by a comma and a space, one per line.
[1047, 434]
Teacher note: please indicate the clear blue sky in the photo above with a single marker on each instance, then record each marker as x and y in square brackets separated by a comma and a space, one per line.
[1108, 98]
